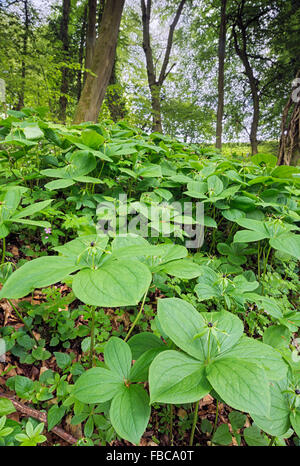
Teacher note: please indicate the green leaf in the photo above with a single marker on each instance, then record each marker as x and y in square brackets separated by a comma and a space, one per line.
[237, 420]
[222, 436]
[277, 336]
[253, 351]
[242, 386]
[130, 412]
[117, 283]
[6, 407]
[277, 423]
[295, 421]
[254, 438]
[248, 236]
[32, 209]
[288, 243]
[182, 268]
[172, 312]
[59, 184]
[144, 341]
[55, 415]
[140, 369]
[63, 360]
[38, 273]
[97, 385]
[177, 378]
[118, 357]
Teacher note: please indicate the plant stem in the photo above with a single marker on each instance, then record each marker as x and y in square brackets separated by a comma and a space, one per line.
[258, 258]
[194, 423]
[23, 321]
[216, 418]
[92, 344]
[171, 426]
[137, 317]
[3, 250]
[272, 441]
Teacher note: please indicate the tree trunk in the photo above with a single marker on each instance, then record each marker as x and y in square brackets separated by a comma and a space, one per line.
[64, 36]
[156, 110]
[20, 103]
[104, 55]
[90, 34]
[81, 52]
[221, 53]
[253, 82]
[155, 84]
[289, 147]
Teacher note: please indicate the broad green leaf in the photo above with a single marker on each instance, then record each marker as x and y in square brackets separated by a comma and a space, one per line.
[55, 415]
[253, 351]
[222, 436]
[215, 185]
[177, 378]
[59, 184]
[38, 273]
[249, 236]
[277, 336]
[288, 243]
[6, 407]
[242, 386]
[182, 268]
[130, 412]
[295, 421]
[97, 385]
[277, 423]
[254, 438]
[36, 223]
[118, 357]
[32, 209]
[172, 313]
[140, 369]
[117, 283]
[144, 341]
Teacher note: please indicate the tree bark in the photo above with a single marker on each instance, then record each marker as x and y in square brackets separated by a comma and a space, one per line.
[221, 54]
[253, 82]
[155, 83]
[104, 54]
[90, 34]
[20, 103]
[64, 36]
[289, 147]
[81, 53]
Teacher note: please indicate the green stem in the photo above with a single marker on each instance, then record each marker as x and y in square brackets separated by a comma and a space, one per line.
[258, 260]
[137, 317]
[92, 344]
[3, 250]
[171, 426]
[194, 423]
[23, 321]
[272, 441]
[216, 418]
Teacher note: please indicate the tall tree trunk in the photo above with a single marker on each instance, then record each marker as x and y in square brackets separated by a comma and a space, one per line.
[64, 36]
[81, 52]
[253, 81]
[90, 34]
[20, 103]
[289, 147]
[155, 83]
[221, 54]
[100, 13]
[103, 60]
